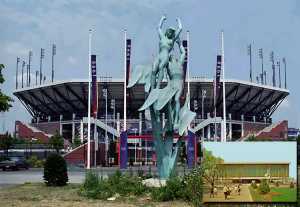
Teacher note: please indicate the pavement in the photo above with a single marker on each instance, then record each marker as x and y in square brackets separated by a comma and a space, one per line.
[245, 196]
[75, 174]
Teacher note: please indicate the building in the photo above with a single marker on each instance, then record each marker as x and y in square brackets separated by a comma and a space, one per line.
[61, 107]
[249, 171]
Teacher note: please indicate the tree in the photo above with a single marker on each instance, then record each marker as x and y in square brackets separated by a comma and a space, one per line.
[55, 171]
[56, 142]
[4, 99]
[77, 142]
[210, 168]
[6, 142]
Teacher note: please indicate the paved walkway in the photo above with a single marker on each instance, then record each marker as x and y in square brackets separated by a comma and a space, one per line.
[245, 196]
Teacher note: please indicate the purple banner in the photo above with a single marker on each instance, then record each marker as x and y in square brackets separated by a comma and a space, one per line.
[217, 83]
[185, 45]
[191, 149]
[94, 86]
[123, 150]
[128, 54]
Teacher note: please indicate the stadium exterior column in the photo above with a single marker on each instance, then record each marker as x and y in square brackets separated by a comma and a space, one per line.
[60, 124]
[73, 127]
[230, 127]
[242, 125]
[81, 131]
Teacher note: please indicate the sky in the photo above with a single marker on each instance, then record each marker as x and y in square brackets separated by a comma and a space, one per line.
[32, 24]
[256, 152]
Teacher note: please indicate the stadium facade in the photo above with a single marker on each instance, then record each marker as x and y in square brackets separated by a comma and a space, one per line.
[62, 107]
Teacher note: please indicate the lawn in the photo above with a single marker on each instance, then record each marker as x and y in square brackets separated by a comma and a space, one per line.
[37, 194]
[275, 195]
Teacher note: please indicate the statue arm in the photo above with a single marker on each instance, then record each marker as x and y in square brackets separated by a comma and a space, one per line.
[160, 33]
[182, 52]
[179, 29]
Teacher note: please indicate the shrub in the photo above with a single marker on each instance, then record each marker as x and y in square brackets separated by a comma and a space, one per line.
[253, 184]
[173, 190]
[149, 173]
[56, 142]
[264, 187]
[55, 171]
[140, 172]
[95, 187]
[277, 183]
[33, 161]
[292, 185]
[193, 187]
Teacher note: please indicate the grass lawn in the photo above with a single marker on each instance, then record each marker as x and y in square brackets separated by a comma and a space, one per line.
[275, 195]
[37, 194]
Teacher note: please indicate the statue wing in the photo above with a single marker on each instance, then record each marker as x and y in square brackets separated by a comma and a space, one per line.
[186, 116]
[165, 95]
[152, 97]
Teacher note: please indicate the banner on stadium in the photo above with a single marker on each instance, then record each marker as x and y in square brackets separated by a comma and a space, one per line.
[123, 150]
[94, 86]
[217, 82]
[185, 45]
[128, 54]
[191, 149]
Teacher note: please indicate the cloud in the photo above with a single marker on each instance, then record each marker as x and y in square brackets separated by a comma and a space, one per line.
[16, 49]
[72, 60]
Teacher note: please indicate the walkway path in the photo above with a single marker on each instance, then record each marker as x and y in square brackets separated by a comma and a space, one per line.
[245, 196]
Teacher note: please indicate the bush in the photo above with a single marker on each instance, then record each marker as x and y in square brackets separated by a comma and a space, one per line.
[253, 184]
[277, 184]
[98, 188]
[55, 171]
[140, 172]
[95, 187]
[193, 187]
[33, 161]
[264, 187]
[292, 185]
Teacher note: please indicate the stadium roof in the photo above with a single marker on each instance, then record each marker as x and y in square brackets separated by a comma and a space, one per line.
[67, 97]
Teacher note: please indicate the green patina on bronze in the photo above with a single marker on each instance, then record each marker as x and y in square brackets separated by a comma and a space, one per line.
[166, 99]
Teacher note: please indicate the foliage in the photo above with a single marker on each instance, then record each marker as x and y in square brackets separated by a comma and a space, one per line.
[292, 185]
[33, 161]
[77, 142]
[277, 183]
[99, 188]
[149, 173]
[56, 142]
[140, 173]
[55, 171]
[5, 101]
[189, 188]
[253, 184]
[210, 168]
[3, 158]
[264, 187]
[6, 142]
[194, 187]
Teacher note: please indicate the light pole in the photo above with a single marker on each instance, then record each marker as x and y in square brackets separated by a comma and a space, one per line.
[202, 107]
[106, 138]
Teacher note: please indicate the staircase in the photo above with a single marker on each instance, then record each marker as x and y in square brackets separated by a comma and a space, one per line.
[28, 132]
[103, 126]
[206, 122]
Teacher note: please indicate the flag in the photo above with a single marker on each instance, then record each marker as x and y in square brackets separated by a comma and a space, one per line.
[128, 54]
[94, 86]
[217, 83]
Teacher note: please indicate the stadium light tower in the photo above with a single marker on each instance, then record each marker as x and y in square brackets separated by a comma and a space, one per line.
[17, 72]
[250, 60]
[261, 56]
[279, 73]
[29, 67]
[284, 62]
[41, 64]
[23, 65]
[53, 54]
[273, 68]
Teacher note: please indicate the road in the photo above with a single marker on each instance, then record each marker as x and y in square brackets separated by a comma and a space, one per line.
[76, 175]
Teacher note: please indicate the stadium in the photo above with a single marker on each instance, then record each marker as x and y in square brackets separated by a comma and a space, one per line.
[62, 107]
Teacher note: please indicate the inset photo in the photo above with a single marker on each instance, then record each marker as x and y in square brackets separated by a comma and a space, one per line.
[250, 172]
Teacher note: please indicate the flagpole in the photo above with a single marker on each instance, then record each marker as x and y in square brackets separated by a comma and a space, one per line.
[125, 71]
[224, 96]
[89, 105]
[188, 64]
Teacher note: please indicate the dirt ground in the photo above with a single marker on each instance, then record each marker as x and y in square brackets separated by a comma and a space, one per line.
[33, 195]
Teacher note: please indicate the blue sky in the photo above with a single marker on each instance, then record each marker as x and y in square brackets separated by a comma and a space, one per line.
[30, 25]
[256, 152]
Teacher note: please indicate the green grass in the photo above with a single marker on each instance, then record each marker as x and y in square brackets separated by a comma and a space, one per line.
[277, 194]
